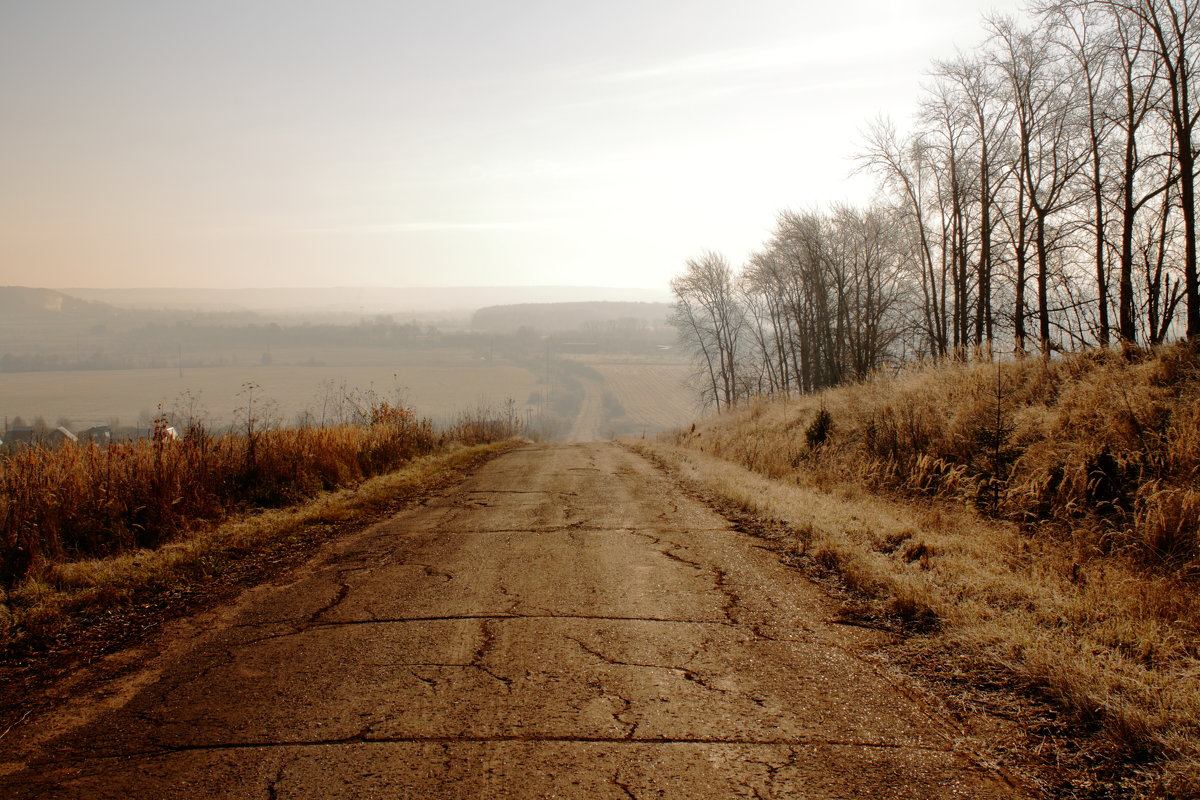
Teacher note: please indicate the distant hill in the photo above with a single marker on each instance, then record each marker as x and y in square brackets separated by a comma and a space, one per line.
[561, 317]
[358, 299]
[25, 304]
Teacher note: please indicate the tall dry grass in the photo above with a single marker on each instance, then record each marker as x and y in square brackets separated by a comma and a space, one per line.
[82, 501]
[1101, 446]
[1039, 516]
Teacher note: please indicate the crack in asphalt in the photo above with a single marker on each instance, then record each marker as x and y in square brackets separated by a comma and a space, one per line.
[342, 593]
[523, 491]
[671, 554]
[684, 672]
[574, 526]
[514, 600]
[630, 726]
[733, 600]
[366, 739]
[434, 684]
[430, 682]
[273, 785]
[616, 781]
[504, 616]
[307, 626]
[303, 625]
[774, 767]
[487, 641]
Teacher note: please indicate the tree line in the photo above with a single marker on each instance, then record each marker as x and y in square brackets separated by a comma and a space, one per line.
[1043, 201]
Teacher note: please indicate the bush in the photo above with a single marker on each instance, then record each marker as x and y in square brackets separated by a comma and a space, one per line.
[819, 429]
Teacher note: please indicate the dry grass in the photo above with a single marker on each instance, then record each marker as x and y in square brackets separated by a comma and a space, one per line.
[1042, 517]
[44, 606]
[78, 501]
[73, 504]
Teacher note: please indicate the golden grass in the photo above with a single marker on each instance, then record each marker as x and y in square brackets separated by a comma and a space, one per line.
[1063, 549]
[80, 501]
[1105, 446]
[44, 605]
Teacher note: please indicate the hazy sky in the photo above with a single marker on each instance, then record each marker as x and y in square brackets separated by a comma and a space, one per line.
[449, 142]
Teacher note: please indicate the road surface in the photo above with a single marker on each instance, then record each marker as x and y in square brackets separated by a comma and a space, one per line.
[566, 623]
[587, 423]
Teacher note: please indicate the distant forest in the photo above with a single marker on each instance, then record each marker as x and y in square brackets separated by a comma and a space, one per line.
[42, 329]
[595, 318]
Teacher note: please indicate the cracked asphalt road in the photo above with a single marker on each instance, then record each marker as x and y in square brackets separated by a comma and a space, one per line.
[566, 623]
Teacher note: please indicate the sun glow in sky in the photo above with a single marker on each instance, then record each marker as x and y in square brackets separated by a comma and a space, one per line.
[462, 142]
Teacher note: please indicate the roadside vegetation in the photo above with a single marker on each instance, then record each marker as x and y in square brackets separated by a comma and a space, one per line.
[86, 528]
[1043, 510]
[1040, 517]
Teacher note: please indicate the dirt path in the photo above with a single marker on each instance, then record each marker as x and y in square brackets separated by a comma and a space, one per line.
[586, 427]
[566, 623]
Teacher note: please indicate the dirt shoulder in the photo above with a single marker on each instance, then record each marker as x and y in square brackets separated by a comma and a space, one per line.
[565, 622]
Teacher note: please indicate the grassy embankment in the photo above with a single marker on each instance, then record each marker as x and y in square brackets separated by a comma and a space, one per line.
[1041, 517]
[87, 529]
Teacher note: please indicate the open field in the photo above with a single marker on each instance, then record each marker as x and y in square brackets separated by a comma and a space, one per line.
[654, 395]
[86, 398]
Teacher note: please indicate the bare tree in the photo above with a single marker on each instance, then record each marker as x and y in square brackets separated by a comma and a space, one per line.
[1078, 27]
[1057, 163]
[991, 123]
[1173, 27]
[865, 244]
[1043, 97]
[710, 321]
[904, 169]
[948, 136]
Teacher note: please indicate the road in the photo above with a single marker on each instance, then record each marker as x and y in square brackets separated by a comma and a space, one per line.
[565, 623]
[586, 427]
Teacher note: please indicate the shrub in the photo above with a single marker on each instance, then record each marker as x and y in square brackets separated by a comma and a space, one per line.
[819, 429]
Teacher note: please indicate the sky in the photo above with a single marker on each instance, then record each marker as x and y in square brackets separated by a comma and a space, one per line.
[268, 143]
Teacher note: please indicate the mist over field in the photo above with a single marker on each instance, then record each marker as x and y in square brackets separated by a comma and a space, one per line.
[308, 357]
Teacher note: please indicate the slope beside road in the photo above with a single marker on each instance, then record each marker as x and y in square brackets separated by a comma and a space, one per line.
[564, 623]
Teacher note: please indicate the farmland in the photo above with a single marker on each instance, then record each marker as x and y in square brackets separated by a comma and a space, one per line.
[438, 387]
[643, 394]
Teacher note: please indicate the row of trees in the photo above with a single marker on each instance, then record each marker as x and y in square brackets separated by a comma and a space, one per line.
[1044, 200]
